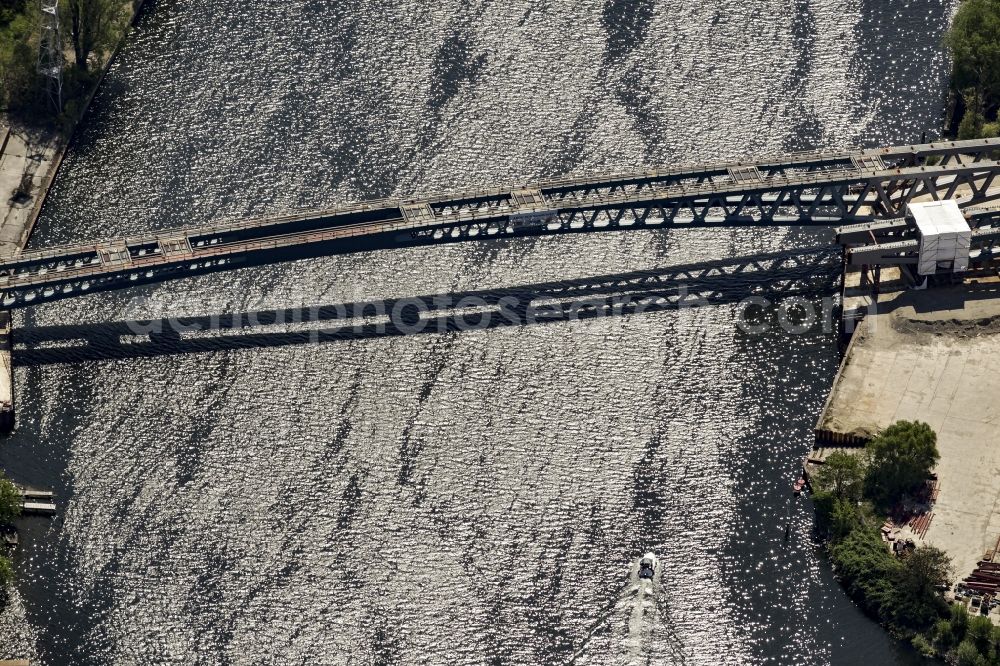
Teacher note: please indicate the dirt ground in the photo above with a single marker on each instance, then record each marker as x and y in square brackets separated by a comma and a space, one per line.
[934, 356]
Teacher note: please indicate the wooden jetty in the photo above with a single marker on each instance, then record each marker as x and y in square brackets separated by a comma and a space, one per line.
[36, 501]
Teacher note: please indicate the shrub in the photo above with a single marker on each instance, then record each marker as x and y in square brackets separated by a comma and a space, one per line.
[6, 571]
[968, 655]
[10, 500]
[921, 645]
[944, 636]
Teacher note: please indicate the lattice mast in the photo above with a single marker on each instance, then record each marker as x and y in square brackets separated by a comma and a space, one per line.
[50, 60]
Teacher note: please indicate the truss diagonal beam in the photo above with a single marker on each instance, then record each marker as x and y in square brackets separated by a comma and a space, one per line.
[820, 188]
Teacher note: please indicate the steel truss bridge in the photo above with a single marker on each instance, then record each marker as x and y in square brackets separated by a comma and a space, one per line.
[870, 188]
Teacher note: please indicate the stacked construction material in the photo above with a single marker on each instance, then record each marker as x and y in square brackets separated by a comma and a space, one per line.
[986, 578]
[920, 522]
[944, 236]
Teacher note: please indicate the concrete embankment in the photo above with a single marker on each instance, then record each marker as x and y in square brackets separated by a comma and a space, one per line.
[29, 161]
[933, 356]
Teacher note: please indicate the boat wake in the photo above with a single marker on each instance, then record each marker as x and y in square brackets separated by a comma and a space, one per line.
[640, 605]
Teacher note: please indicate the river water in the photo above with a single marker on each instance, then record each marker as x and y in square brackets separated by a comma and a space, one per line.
[449, 497]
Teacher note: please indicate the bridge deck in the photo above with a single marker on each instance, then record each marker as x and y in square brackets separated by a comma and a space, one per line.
[805, 188]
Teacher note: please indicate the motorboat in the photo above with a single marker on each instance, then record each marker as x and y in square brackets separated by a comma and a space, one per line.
[647, 566]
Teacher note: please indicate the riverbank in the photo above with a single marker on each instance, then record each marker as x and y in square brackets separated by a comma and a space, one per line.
[30, 158]
[934, 356]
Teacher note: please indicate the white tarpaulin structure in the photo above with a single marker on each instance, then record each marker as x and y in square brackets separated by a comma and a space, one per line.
[944, 236]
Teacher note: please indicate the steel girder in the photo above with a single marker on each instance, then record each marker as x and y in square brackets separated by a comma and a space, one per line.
[902, 246]
[807, 188]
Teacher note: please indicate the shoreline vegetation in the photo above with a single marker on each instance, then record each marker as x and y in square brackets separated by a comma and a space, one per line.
[853, 494]
[91, 31]
[10, 508]
[974, 90]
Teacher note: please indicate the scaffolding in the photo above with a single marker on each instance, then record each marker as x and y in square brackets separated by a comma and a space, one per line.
[50, 60]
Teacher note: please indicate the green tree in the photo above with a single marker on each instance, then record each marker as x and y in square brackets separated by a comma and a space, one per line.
[900, 459]
[916, 601]
[980, 633]
[842, 474]
[18, 59]
[866, 568]
[844, 519]
[922, 645]
[943, 635]
[93, 26]
[974, 41]
[10, 500]
[823, 503]
[968, 655]
[6, 572]
[971, 126]
[959, 621]
[11, 9]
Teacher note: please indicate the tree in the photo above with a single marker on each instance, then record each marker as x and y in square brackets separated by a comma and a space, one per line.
[18, 59]
[842, 474]
[980, 633]
[917, 602]
[900, 459]
[835, 518]
[6, 571]
[974, 120]
[974, 41]
[968, 655]
[823, 503]
[944, 636]
[92, 26]
[843, 519]
[923, 646]
[10, 500]
[959, 621]
[866, 568]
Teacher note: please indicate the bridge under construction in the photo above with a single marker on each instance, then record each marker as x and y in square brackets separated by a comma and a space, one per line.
[868, 190]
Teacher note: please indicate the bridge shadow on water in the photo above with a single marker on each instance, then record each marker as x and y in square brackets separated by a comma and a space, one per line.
[763, 278]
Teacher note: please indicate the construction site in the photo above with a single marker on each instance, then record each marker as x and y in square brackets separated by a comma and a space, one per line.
[920, 334]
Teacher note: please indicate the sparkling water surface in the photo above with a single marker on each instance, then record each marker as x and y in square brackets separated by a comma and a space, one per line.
[449, 497]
